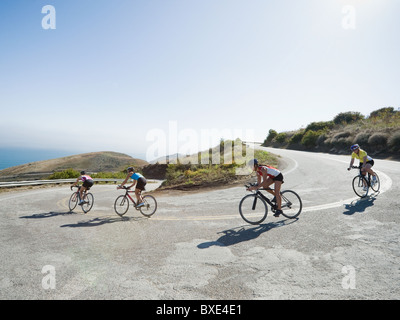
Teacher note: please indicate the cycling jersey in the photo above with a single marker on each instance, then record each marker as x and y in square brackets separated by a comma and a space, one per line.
[271, 171]
[360, 156]
[136, 176]
[85, 177]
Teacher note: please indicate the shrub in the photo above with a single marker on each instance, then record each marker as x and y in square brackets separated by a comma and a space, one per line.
[271, 135]
[348, 117]
[296, 138]
[322, 125]
[378, 141]
[310, 138]
[281, 138]
[65, 174]
[362, 138]
[394, 141]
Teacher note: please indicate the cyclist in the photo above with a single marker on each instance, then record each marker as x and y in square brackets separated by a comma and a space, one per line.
[268, 175]
[140, 182]
[366, 162]
[86, 185]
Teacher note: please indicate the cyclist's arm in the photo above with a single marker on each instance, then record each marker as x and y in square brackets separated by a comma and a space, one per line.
[134, 182]
[351, 164]
[123, 183]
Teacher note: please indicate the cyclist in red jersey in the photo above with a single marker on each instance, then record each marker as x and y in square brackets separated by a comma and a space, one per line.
[268, 175]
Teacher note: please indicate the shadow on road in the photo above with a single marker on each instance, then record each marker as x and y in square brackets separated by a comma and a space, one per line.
[240, 234]
[95, 222]
[359, 205]
[47, 215]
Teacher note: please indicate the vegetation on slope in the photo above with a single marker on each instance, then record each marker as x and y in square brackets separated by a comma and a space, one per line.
[378, 133]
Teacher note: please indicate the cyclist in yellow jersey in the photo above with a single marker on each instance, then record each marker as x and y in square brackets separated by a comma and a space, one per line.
[366, 162]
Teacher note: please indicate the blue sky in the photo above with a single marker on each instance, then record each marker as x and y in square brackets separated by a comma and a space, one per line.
[114, 71]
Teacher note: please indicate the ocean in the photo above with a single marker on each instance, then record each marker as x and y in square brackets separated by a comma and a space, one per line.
[10, 157]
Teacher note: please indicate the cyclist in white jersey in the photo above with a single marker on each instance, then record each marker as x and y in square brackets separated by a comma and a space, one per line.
[269, 175]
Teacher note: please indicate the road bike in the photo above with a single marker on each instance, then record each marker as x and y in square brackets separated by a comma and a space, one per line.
[88, 200]
[253, 208]
[362, 183]
[121, 204]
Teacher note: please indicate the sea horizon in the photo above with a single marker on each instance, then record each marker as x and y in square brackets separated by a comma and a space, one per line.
[11, 157]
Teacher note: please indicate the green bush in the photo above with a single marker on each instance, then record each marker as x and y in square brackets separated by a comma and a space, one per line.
[281, 137]
[65, 174]
[348, 117]
[362, 138]
[296, 138]
[310, 138]
[394, 141]
[378, 141]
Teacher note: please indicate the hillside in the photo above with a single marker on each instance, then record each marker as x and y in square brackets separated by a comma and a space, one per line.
[216, 167]
[377, 133]
[91, 162]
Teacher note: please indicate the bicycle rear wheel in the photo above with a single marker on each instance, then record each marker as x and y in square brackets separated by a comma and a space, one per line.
[360, 186]
[121, 205]
[253, 209]
[150, 206]
[291, 204]
[73, 201]
[375, 185]
[88, 202]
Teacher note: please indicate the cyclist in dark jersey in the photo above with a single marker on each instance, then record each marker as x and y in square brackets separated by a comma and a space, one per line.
[268, 175]
[140, 182]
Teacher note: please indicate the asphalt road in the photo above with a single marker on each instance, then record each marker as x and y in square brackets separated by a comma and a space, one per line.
[196, 246]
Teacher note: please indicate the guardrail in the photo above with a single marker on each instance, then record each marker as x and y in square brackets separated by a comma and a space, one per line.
[12, 184]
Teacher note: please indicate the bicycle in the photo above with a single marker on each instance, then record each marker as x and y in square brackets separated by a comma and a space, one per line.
[87, 198]
[253, 208]
[361, 184]
[121, 204]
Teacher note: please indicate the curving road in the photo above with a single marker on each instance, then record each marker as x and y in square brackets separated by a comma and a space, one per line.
[197, 247]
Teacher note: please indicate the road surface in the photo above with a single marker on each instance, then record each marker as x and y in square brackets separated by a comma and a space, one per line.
[196, 246]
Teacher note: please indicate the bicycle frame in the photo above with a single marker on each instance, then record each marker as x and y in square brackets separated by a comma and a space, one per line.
[259, 193]
[127, 194]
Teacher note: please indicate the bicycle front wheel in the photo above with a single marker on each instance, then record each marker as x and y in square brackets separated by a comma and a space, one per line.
[253, 209]
[360, 186]
[291, 204]
[150, 206]
[88, 202]
[73, 201]
[377, 184]
[121, 205]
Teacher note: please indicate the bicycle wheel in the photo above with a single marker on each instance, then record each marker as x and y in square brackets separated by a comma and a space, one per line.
[375, 185]
[73, 201]
[291, 204]
[150, 206]
[360, 186]
[121, 205]
[88, 202]
[253, 209]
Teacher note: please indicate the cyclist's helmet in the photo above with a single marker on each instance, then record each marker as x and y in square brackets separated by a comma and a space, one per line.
[253, 162]
[83, 172]
[130, 169]
[354, 147]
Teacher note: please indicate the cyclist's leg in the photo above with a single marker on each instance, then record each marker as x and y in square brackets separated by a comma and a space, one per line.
[138, 193]
[82, 191]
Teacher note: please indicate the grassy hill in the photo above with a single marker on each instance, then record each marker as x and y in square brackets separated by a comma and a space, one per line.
[210, 168]
[91, 162]
[377, 133]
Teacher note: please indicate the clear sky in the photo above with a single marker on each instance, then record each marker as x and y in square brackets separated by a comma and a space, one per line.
[115, 75]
